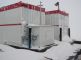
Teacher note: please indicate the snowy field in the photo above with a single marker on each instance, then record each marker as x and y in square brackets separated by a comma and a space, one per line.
[62, 51]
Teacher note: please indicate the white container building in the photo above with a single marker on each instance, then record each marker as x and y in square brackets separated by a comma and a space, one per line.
[13, 19]
[20, 25]
[18, 12]
[41, 36]
[60, 21]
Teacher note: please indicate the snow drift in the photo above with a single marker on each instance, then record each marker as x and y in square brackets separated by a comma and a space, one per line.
[62, 51]
[10, 53]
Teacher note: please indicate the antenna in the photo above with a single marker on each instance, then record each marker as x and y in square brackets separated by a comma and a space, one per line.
[57, 4]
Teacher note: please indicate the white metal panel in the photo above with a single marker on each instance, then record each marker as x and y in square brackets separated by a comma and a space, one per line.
[47, 19]
[32, 16]
[64, 31]
[46, 35]
[67, 20]
[1, 36]
[64, 21]
[55, 18]
[56, 32]
[10, 16]
[52, 19]
[35, 36]
[12, 35]
[59, 21]
[2, 17]
[43, 18]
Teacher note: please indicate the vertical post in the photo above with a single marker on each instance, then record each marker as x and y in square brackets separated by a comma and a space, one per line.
[60, 34]
[30, 29]
[69, 32]
[58, 6]
[40, 12]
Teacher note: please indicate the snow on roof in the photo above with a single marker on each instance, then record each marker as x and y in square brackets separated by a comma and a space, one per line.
[21, 4]
[56, 12]
[33, 25]
[38, 25]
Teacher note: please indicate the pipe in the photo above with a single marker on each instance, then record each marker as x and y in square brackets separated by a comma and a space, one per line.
[60, 34]
[30, 29]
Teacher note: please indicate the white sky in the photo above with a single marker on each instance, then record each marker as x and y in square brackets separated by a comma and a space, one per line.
[70, 6]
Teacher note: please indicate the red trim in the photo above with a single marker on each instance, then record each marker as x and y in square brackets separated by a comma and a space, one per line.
[32, 7]
[56, 12]
[21, 4]
[10, 24]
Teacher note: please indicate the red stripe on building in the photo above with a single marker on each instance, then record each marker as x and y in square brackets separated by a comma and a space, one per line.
[57, 12]
[10, 24]
[21, 4]
[32, 7]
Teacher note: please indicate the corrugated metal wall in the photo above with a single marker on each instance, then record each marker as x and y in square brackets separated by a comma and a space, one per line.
[10, 32]
[45, 35]
[32, 16]
[59, 21]
[13, 34]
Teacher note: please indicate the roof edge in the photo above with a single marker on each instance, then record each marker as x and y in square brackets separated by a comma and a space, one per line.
[21, 4]
[57, 12]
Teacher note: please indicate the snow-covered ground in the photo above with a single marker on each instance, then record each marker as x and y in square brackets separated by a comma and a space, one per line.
[60, 52]
[9, 53]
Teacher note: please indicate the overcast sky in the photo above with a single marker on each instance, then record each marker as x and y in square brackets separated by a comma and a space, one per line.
[70, 6]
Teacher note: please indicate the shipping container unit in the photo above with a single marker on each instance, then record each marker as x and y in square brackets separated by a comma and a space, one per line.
[60, 21]
[12, 18]
[41, 36]
[18, 12]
